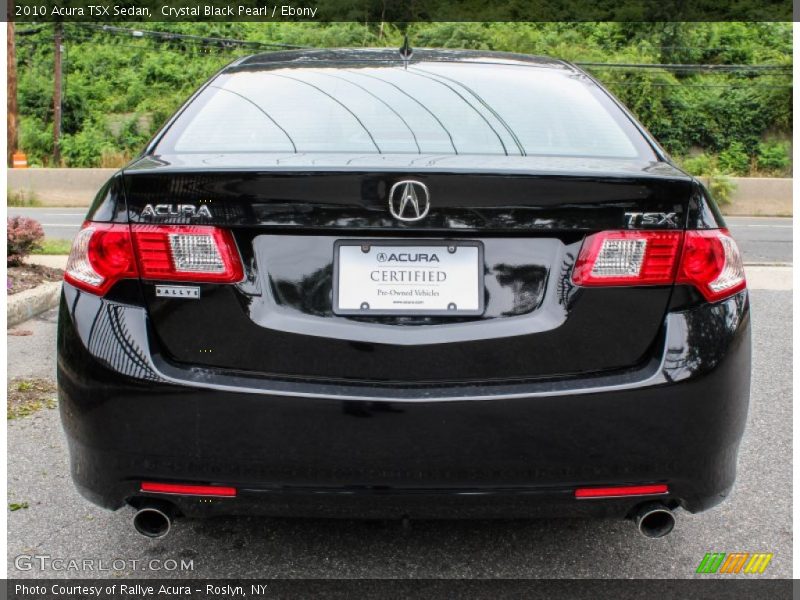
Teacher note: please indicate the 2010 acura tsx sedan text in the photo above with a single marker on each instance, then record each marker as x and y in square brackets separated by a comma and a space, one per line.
[373, 283]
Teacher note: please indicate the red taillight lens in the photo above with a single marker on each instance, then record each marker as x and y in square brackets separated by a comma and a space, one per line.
[628, 258]
[101, 255]
[707, 259]
[712, 263]
[104, 253]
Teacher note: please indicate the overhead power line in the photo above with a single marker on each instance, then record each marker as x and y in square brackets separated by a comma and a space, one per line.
[700, 85]
[169, 36]
[29, 30]
[708, 48]
[164, 35]
[229, 43]
[688, 67]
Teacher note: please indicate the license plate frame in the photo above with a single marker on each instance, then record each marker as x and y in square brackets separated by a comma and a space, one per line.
[417, 244]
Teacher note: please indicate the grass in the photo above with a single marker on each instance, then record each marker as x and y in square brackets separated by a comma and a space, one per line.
[17, 506]
[53, 246]
[25, 386]
[22, 198]
[27, 396]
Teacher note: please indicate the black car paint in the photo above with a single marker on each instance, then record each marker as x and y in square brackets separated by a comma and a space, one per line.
[520, 448]
[530, 222]
[373, 423]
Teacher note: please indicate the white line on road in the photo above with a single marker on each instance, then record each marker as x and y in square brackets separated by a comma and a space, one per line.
[765, 226]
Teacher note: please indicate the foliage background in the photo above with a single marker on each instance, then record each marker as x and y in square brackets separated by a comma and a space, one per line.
[118, 89]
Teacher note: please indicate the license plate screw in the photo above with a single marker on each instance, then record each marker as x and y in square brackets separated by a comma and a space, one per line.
[451, 249]
[365, 248]
[452, 306]
[365, 306]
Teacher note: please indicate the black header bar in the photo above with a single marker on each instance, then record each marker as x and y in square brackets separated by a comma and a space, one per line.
[537, 589]
[397, 11]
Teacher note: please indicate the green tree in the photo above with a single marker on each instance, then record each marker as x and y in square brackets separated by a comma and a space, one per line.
[119, 89]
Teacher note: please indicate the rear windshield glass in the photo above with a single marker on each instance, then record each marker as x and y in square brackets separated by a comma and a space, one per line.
[439, 108]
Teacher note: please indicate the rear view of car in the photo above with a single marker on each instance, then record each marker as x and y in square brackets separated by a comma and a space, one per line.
[349, 283]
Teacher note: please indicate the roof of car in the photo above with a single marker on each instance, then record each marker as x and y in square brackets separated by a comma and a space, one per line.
[391, 56]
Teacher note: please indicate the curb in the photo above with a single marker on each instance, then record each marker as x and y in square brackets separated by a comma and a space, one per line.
[28, 304]
[56, 261]
[776, 278]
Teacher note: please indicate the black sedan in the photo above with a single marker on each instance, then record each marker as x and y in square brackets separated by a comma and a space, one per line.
[389, 284]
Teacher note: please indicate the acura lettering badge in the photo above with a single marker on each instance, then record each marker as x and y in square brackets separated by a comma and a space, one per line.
[409, 200]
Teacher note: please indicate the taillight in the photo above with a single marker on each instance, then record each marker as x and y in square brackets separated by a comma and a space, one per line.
[712, 263]
[104, 253]
[628, 258]
[707, 259]
[101, 255]
[200, 254]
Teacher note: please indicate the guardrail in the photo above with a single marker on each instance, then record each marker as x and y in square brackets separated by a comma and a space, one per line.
[58, 187]
[760, 196]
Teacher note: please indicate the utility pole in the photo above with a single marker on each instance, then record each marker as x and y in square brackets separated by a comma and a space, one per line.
[11, 98]
[57, 40]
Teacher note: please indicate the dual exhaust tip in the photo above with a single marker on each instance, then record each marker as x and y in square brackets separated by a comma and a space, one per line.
[654, 520]
[154, 519]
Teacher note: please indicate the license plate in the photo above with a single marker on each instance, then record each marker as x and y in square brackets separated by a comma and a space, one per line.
[408, 278]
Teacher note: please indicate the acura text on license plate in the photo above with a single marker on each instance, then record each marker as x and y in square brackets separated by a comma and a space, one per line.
[419, 277]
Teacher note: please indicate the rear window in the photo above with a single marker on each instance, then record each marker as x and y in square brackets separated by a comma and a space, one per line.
[428, 108]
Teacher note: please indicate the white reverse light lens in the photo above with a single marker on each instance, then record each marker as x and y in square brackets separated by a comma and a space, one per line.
[194, 253]
[619, 258]
[732, 273]
[78, 265]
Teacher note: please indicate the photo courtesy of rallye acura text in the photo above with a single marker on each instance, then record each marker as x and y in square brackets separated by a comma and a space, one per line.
[382, 283]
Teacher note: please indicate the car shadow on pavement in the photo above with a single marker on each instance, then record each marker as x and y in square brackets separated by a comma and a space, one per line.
[333, 548]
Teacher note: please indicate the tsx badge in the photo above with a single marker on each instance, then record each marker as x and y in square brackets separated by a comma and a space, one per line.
[650, 219]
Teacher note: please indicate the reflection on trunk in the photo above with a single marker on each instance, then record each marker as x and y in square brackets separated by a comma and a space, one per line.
[701, 339]
[527, 284]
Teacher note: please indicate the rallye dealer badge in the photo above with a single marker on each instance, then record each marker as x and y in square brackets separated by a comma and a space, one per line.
[178, 291]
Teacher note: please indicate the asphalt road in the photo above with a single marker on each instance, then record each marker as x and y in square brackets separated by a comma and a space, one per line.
[756, 518]
[763, 240]
[58, 223]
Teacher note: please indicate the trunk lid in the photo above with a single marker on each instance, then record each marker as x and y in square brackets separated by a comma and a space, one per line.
[528, 215]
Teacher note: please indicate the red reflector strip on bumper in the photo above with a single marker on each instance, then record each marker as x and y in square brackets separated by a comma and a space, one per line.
[623, 490]
[188, 490]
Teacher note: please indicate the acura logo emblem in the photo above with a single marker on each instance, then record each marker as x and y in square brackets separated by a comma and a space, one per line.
[409, 200]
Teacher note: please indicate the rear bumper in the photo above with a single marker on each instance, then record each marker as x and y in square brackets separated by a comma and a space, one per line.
[309, 450]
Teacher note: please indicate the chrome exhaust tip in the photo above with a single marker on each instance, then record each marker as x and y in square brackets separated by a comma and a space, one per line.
[153, 521]
[654, 520]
